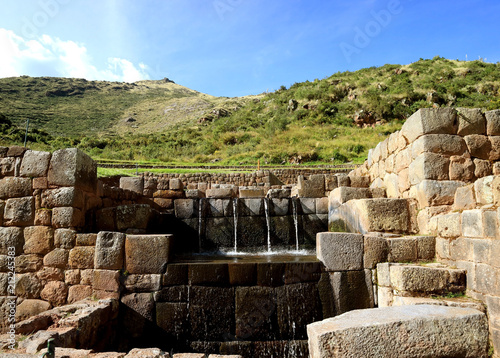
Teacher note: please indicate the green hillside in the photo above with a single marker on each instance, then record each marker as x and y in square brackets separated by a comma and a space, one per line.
[309, 122]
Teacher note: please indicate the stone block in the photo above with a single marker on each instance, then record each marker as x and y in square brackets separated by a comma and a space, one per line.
[403, 160]
[444, 144]
[28, 263]
[495, 148]
[176, 184]
[38, 240]
[352, 290]
[208, 274]
[65, 238]
[72, 167]
[142, 304]
[385, 296]
[194, 194]
[30, 308]
[340, 251]
[490, 223]
[479, 146]
[465, 198]
[8, 166]
[43, 217]
[430, 121]
[81, 257]
[403, 331]
[79, 292]
[358, 181]
[472, 223]
[376, 250]
[67, 196]
[449, 225]
[11, 237]
[483, 190]
[109, 250]
[135, 216]
[220, 193]
[322, 206]
[50, 274]
[55, 292]
[461, 249]
[142, 283]
[391, 183]
[314, 187]
[471, 121]
[35, 164]
[176, 275]
[242, 274]
[482, 168]
[147, 254]
[168, 194]
[87, 277]
[171, 318]
[251, 207]
[429, 280]
[251, 192]
[430, 166]
[255, 312]
[280, 207]
[134, 184]
[481, 251]
[461, 168]
[13, 187]
[402, 249]
[426, 247]
[28, 286]
[72, 277]
[435, 193]
[493, 122]
[106, 280]
[19, 211]
[370, 215]
[56, 258]
[67, 217]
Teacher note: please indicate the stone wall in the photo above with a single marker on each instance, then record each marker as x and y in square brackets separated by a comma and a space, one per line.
[447, 161]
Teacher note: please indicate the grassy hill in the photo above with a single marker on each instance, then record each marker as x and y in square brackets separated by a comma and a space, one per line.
[308, 122]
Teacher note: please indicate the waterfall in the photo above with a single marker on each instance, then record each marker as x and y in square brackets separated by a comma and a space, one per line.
[296, 222]
[235, 219]
[200, 222]
[268, 222]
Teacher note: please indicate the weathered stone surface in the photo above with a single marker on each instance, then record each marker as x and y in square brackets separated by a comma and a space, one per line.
[141, 303]
[134, 216]
[109, 250]
[314, 187]
[55, 292]
[38, 341]
[435, 193]
[135, 184]
[147, 353]
[185, 208]
[28, 286]
[482, 168]
[43, 217]
[483, 189]
[38, 240]
[35, 164]
[65, 238]
[470, 121]
[404, 331]
[168, 194]
[72, 277]
[86, 239]
[352, 290]
[30, 308]
[479, 146]
[106, 280]
[444, 144]
[461, 168]
[376, 250]
[402, 249]
[495, 148]
[358, 181]
[255, 313]
[493, 122]
[28, 263]
[56, 258]
[20, 211]
[208, 274]
[147, 254]
[87, 277]
[66, 217]
[60, 197]
[472, 223]
[220, 193]
[342, 195]
[340, 251]
[171, 318]
[430, 121]
[142, 283]
[81, 257]
[11, 237]
[251, 192]
[425, 279]
[449, 225]
[72, 167]
[464, 198]
[429, 166]
[13, 187]
[370, 215]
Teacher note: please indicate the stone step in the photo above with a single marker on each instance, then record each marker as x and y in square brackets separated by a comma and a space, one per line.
[372, 215]
[402, 284]
[404, 331]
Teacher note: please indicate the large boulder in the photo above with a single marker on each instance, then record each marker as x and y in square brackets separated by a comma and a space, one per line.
[404, 331]
[72, 167]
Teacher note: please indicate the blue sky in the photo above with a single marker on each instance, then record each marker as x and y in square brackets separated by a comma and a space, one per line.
[237, 47]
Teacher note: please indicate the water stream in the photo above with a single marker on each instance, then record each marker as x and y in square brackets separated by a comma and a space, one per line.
[235, 219]
[268, 223]
[200, 222]
[296, 223]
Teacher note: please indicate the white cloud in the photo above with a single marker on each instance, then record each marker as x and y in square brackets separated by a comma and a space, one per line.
[50, 56]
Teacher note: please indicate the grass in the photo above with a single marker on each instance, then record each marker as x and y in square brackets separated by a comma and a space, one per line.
[92, 115]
